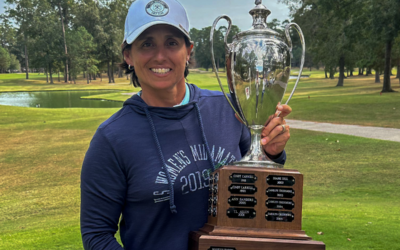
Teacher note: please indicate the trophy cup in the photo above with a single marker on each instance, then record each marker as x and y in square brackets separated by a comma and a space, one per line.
[255, 203]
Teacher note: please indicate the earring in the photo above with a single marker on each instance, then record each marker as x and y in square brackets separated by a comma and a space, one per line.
[129, 66]
[187, 63]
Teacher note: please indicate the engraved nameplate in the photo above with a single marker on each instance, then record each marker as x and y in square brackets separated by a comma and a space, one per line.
[222, 248]
[279, 216]
[242, 213]
[280, 204]
[242, 201]
[276, 180]
[243, 178]
[280, 192]
[242, 189]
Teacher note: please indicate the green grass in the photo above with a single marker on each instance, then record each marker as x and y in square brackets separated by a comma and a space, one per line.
[359, 102]
[17, 82]
[350, 183]
[22, 76]
[40, 156]
[350, 189]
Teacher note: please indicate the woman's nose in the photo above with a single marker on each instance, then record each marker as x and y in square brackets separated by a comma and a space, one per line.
[160, 54]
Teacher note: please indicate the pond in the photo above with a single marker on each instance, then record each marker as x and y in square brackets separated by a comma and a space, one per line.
[295, 77]
[57, 99]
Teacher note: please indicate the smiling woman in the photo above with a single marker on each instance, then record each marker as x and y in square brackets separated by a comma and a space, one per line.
[158, 57]
[150, 162]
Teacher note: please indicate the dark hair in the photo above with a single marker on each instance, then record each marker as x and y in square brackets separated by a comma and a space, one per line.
[134, 80]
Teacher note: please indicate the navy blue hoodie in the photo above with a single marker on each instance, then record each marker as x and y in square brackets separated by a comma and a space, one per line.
[124, 182]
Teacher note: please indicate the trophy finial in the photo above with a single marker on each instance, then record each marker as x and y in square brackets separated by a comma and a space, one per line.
[259, 14]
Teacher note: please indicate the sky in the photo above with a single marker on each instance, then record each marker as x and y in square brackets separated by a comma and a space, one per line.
[1, 6]
[202, 13]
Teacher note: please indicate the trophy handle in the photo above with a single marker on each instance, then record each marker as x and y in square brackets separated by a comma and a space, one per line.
[227, 48]
[297, 27]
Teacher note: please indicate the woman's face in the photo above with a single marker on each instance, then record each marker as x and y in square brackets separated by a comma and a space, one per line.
[159, 56]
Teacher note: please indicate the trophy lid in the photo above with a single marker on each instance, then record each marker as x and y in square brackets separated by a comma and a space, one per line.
[260, 14]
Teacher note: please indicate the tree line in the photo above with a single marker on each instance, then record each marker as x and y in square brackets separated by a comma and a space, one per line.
[202, 46]
[76, 37]
[350, 34]
[84, 36]
[72, 37]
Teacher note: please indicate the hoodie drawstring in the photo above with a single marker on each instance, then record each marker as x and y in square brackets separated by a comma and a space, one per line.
[172, 206]
[204, 137]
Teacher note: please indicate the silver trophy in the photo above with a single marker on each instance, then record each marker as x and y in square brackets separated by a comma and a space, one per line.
[258, 63]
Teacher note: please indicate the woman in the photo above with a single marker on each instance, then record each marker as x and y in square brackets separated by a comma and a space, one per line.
[150, 162]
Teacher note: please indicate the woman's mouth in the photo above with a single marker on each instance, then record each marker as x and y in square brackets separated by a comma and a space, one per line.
[160, 70]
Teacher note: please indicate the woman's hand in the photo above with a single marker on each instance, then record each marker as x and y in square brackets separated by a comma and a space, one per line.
[276, 132]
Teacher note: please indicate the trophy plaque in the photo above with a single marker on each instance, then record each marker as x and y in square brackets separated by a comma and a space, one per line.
[255, 203]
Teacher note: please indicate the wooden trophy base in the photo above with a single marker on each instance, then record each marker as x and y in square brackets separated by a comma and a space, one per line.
[203, 241]
[254, 208]
[254, 232]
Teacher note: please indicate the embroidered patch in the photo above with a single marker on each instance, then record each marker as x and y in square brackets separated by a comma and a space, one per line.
[157, 8]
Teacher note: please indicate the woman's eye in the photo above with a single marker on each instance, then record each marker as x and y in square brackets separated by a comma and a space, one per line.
[146, 45]
[172, 43]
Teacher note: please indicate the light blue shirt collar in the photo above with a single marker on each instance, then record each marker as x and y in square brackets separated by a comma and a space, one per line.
[185, 99]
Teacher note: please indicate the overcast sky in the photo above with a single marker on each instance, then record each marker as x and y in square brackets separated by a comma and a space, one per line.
[202, 13]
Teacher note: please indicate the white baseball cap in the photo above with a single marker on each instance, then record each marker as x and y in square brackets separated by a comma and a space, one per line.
[146, 13]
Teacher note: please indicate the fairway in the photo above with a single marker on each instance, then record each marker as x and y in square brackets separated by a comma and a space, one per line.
[350, 183]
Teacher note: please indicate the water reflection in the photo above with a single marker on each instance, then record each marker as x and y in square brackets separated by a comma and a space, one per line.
[57, 99]
[295, 77]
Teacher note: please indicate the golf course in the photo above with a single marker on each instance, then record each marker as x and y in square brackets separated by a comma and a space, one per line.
[350, 198]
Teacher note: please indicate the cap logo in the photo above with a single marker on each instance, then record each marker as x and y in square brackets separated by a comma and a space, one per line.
[157, 8]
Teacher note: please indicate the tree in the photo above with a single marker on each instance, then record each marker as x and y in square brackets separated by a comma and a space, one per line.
[14, 63]
[329, 28]
[4, 59]
[62, 7]
[87, 15]
[45, 38]
[37, 21]
[201, 39]
[82, 50]
[385, 23]
[22, 13]
[396, 55]
[8, 33]
[112, 17]
[202, 49]
[275, 25]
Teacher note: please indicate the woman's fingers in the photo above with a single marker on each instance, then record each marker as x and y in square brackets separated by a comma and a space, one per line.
[278, 143]
[274, 122]
[283, 110]
[277, 132]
